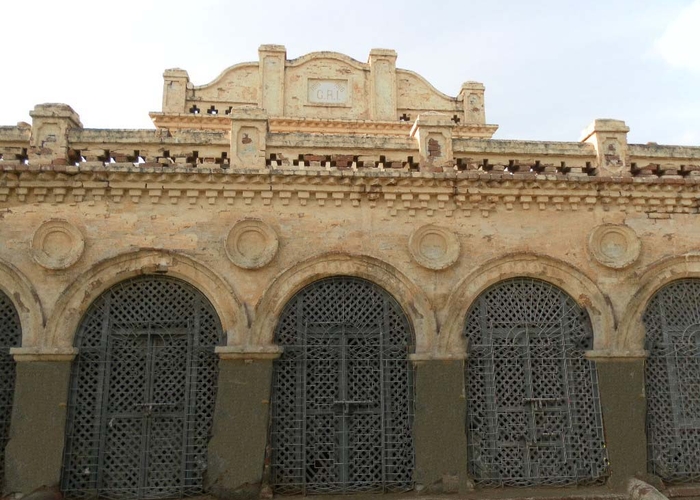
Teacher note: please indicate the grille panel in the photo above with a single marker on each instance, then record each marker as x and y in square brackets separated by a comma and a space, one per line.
[10, 336]
[672, 322]
[533, 408]
[143, 389]
[342, 407]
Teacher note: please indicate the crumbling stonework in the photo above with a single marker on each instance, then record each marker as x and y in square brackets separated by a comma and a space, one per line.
[282, 172]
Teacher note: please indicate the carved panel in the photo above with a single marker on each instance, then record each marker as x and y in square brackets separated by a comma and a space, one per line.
[57, 244]
[614, 246]
[251, 244]
[434, 247]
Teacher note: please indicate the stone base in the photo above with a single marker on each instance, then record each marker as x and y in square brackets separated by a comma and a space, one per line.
[34, 453]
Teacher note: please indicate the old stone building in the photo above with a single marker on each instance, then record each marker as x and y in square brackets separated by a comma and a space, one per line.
[323, 276]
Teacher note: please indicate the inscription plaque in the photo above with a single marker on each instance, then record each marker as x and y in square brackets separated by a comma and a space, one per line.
[327, 91]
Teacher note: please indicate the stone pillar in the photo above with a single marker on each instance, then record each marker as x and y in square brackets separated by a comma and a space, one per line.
[175, 84]
[439, 427]
[239, 438]
[272, 62]
[472, 97]
[433, 131]
[34, 453]
[609, 138]
[248, 138]
[51, 124]
[382, 67]
[621, 383]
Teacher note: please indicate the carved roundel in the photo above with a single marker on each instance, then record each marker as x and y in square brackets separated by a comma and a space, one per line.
[434, 247]
[57, 244]
[251, 244]
[615, 246]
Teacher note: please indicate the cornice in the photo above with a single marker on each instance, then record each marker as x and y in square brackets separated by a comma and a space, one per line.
[191, 121]
[448, 193]
[222, 122]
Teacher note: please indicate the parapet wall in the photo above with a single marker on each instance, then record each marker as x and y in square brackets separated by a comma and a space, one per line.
[432, 144]
[322, 85]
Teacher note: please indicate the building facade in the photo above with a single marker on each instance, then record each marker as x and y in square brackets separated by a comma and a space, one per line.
[322, 276]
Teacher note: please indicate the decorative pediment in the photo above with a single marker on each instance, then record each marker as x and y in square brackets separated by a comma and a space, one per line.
[320, 86]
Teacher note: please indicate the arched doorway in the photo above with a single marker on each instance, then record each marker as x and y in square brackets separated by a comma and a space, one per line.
[342, 407]
[142, 393]
[533, 409]
[10, 336]
[672, 323]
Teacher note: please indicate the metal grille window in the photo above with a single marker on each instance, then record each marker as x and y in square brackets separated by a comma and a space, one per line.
[533, 409]
[342, 407]
[10, 336]
[142, 392]
[672, 321]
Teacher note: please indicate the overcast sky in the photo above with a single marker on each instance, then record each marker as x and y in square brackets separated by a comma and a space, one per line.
[550, 66]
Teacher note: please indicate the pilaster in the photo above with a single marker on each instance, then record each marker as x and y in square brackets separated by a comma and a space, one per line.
[239, 434]
[609, 137]
[34, 452]
[51, 124]
[621, 385]
[248, 138]
[440, 435]
[382, 67]
[175, 85]
[272, 63]
[433, 131]
[472, 97]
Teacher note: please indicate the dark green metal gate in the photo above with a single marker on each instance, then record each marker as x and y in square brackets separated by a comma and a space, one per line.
[143, 389]
[342, 405]
[533, 409]
[672, 321]
[10, 336]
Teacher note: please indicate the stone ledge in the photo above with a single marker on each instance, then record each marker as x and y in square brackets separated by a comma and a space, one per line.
[236, 352]
[43, 354]
[608, 354]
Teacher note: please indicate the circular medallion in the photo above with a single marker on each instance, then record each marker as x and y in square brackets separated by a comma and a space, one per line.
[614, 246]
[434, 247]
[57, 244]
[251, 244]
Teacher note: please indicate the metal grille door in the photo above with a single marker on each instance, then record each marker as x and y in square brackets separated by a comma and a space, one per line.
[533, 410]
[672, 321]
[342, 407]
[10, 336]
[143, 389]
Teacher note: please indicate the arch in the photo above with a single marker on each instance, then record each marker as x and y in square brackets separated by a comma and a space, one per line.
[655, 276]
[76, 300]
[411, 298]
[672, 323]
[345, 375]
[572, 281]
[27, 304]
[533, 405]
[142, 391]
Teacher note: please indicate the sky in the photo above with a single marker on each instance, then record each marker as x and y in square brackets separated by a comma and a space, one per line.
[550, 67]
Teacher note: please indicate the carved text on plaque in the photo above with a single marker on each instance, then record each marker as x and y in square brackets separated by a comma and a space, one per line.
[327, 91]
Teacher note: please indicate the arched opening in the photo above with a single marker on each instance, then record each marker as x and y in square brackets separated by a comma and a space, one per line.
[142, 393]
[672, 323]
[10, 336]
[342, 406]
[533, 408]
